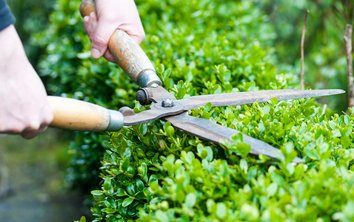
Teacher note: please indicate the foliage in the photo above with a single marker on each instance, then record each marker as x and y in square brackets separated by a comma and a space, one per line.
[201, 182]
[325, 60]
[152, 172]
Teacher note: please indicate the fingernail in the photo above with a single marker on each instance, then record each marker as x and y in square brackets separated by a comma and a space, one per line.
[95, 53]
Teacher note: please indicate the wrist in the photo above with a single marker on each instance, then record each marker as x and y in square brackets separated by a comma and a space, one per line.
[12, 52]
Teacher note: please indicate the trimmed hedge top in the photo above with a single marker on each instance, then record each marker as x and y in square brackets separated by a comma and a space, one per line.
[151, 172]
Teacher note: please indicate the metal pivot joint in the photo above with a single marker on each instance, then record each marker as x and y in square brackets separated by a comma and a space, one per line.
[142, 97]
[154, 93]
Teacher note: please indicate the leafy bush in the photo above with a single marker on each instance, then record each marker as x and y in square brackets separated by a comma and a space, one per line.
[151, 172]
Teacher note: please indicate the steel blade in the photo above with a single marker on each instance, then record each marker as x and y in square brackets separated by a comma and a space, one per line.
[225, 99]
[151, 114]
[241, 98]
[219, 134]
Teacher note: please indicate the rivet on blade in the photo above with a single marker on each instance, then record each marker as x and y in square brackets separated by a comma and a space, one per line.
[167, 103]
[154, 85]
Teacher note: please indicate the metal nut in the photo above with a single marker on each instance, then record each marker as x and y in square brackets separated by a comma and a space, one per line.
[142, 97]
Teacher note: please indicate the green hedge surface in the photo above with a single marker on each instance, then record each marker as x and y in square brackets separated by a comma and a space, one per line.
[153, 172]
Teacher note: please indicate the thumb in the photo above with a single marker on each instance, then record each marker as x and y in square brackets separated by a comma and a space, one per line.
[101, 38]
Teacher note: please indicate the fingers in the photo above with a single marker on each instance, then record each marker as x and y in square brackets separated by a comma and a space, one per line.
[135, 31]
[33, 131]
[90, 23]
[101, 34]
[100, 37]
[24, 107]
[112, 15]
[29, 129]
[108, 55]
[36, 128]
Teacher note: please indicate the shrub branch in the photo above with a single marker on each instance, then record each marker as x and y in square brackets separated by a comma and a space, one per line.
[348, 47]
[302, 83]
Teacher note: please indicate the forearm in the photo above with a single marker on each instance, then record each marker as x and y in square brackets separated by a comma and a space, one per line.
[10, 43]
[24, 108]
[11, 50]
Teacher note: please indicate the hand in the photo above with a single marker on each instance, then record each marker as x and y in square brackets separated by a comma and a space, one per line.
[111, 15]
[23, 108]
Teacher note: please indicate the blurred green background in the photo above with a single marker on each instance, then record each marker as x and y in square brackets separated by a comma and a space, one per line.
[32, 180]
[325, 61]
[325, 67]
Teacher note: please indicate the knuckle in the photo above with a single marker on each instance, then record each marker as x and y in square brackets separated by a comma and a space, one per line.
[48, 119]
[31, 130]
[33, 125]
[98, 41]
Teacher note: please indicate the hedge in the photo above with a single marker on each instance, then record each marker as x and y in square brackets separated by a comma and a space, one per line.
[153, 172]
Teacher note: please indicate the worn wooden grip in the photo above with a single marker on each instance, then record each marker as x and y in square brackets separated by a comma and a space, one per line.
[126, 52]
[78, 115]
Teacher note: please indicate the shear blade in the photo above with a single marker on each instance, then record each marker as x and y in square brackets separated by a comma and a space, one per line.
[241, 98]
[219, 134]
[224, 99]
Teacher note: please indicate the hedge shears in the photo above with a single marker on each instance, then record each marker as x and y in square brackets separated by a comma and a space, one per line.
[78, 115]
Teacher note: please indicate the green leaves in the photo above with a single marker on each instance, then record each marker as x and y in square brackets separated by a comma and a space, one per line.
[127, 201]
[221, 210]
[190, 200]
[153, 172]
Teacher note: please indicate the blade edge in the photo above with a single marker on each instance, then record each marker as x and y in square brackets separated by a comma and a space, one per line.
[213, 132]
[241, 98]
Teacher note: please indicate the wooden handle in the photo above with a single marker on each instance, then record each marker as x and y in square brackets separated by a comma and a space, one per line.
[127, 53]
[78, 115]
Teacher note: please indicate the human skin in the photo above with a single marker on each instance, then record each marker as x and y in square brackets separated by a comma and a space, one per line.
[24, 108]
[111, 15]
